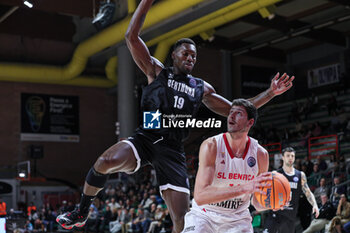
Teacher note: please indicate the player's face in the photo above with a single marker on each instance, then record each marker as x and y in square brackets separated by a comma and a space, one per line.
[288, 158]
[237, 120]
[184, 58]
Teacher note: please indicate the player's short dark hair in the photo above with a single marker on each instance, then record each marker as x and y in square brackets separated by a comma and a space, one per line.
[183, 41]
[251, 110]
[288, 149]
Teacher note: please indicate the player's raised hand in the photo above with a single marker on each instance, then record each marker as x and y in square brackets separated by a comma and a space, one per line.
[279, 85]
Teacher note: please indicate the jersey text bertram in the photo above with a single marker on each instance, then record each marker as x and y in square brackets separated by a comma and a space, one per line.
[181, 87]
[234, 176]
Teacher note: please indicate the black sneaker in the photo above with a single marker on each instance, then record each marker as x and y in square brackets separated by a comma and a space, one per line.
[72, 219]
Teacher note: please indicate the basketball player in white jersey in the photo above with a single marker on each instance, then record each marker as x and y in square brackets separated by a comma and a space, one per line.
[231, 167]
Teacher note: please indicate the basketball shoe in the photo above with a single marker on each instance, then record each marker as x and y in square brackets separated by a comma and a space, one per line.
[72, 219]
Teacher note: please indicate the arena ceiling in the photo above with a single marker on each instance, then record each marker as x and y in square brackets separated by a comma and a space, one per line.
[49, 33]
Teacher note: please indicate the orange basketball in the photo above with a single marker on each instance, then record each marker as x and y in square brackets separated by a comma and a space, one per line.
[277, 194]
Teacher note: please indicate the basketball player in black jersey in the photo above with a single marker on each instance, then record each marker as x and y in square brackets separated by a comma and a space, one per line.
[169, 91]
[283, 221]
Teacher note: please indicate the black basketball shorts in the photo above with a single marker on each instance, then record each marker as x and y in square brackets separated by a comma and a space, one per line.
[168, 162]
[276, 223]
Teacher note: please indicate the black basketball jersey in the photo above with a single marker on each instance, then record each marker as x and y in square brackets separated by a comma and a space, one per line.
[172, 94]
[295, 186]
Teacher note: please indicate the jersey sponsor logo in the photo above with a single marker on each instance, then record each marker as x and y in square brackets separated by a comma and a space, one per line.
[251, 161]
[181, 87]
[229, 204]
[193, 82]
[151, 120]
[234, 176]
[293, 185]
[295, 179]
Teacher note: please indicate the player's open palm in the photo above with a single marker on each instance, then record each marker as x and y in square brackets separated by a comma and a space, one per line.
[279, 85]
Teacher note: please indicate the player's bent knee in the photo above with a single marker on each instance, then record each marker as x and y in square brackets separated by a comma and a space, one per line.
[96, 179]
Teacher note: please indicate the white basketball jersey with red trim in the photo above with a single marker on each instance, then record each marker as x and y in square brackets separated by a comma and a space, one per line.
[231, 171]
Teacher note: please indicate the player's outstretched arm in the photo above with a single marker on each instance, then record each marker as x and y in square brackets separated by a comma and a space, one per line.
[309, 195]
[278, 86]
[222, 106]
[215, 102]
[205, 193]
[150, 66]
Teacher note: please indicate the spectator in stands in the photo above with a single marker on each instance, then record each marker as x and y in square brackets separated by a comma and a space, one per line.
[48, 207]
[338, 169]
[28, 227]
[321, 189]
[134, 202]
[144, 199]
[49, 219]
[2, 208]
[309, 166]
[141, 223]
[157, 222]
[298, 164]
[322, 165]
[152, 199]
[103, 219]
[31, 207]
[38, 224]
[314, 177]
[343, 215]
[121, 221]
[167, 223]
[132, 215]
[90, 224]
[110, 191]
[327, 212]
[337, 190]
[114, 206]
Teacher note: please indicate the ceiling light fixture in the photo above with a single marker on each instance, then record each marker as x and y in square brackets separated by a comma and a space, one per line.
[28, 4]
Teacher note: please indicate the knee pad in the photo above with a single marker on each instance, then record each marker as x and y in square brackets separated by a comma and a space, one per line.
[96, 179]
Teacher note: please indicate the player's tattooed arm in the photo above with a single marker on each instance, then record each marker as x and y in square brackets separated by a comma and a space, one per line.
[278, 86]
[309, 195]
